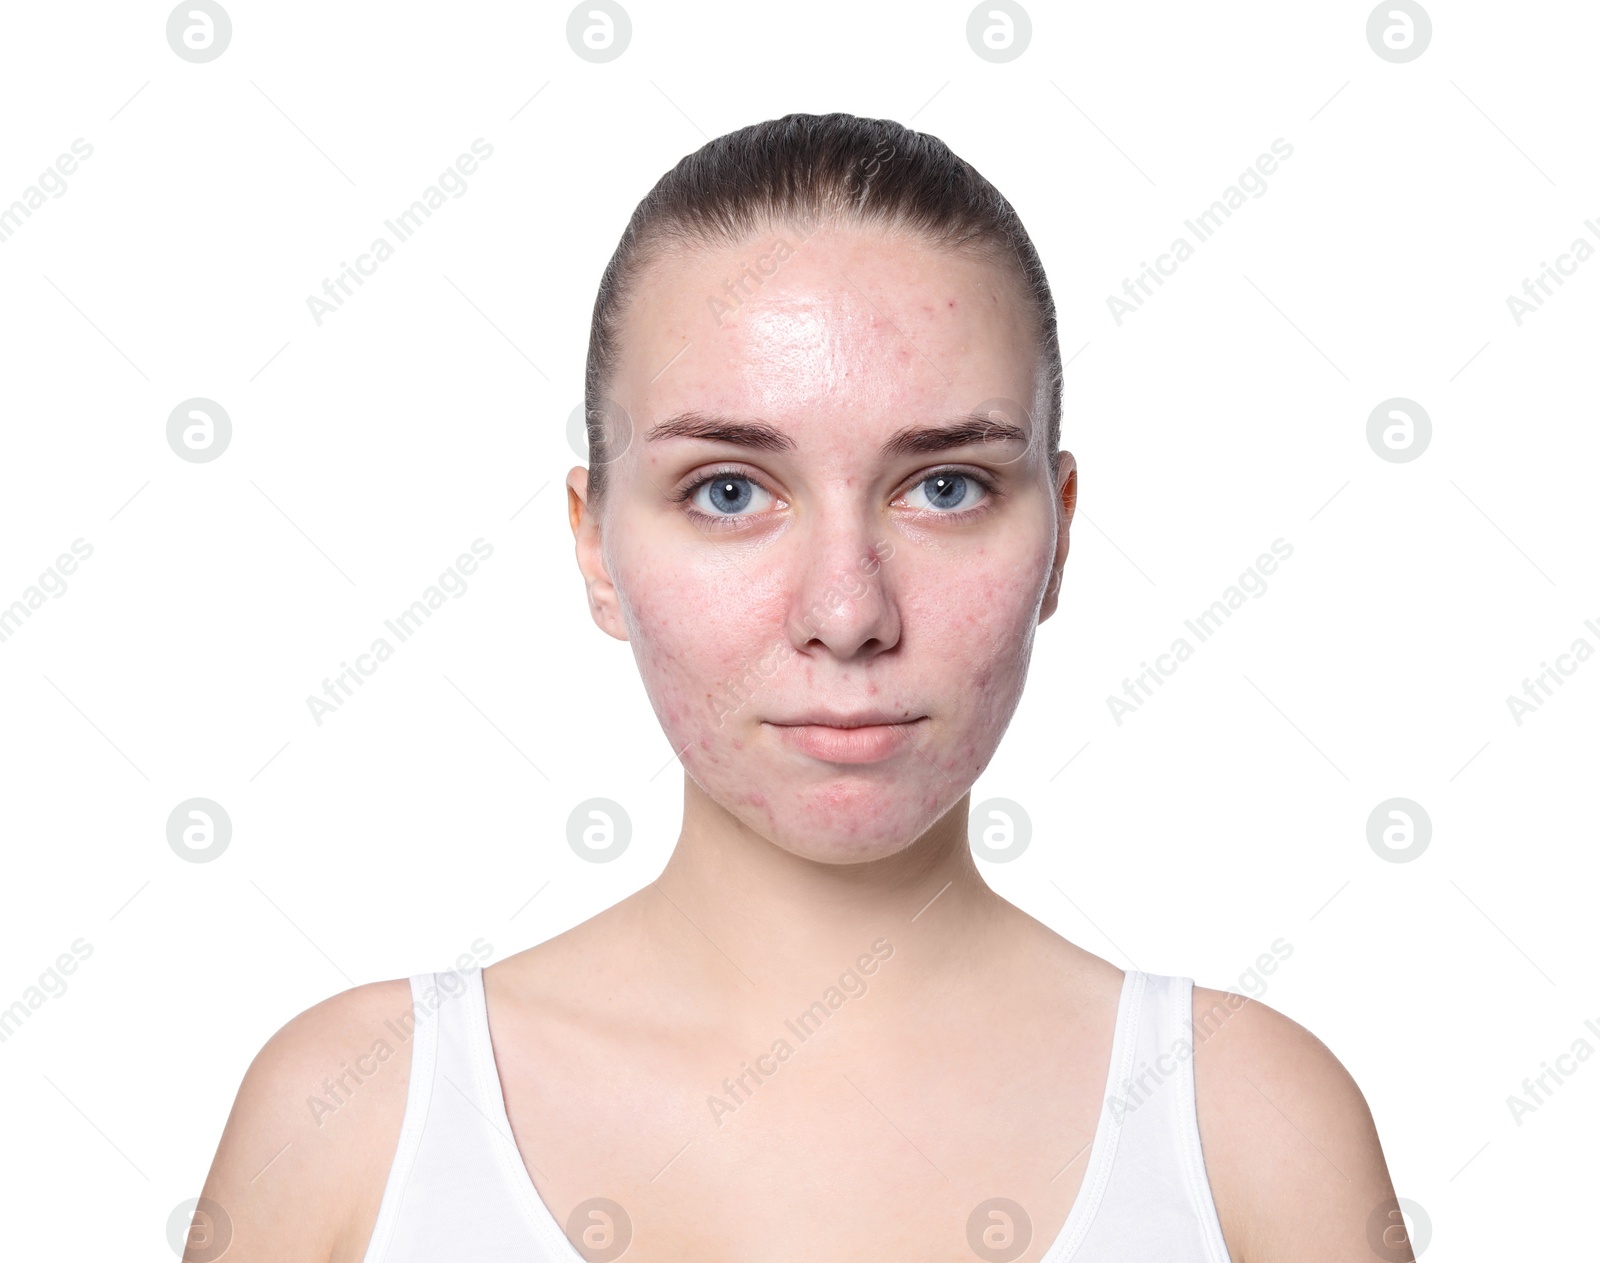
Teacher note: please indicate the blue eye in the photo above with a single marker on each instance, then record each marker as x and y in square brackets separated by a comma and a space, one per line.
[728, 495]
[947, 491]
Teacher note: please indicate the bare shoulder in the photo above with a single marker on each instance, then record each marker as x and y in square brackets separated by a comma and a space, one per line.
[1291, 1150]
[299, 1171]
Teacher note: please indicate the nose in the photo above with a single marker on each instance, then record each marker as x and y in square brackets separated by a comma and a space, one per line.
[843, 597]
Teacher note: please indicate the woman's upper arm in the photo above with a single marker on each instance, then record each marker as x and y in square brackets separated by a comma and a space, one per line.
[1291, 1149]
[299, 1170]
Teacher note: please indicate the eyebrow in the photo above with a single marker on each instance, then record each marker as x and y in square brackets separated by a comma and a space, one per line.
[910, 440]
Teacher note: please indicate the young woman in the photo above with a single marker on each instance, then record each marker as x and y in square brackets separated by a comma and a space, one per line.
[827, 508]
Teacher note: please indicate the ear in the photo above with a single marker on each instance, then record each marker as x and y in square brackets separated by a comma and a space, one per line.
[603, 605]
[1066, 500]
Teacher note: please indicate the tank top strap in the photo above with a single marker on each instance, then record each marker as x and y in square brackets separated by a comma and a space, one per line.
[457, 1186]
[421, 1027]
[1178, 1026]
[450, 994]
[1157, 1189]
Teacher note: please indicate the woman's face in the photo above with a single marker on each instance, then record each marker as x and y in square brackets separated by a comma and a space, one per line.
[829, 572]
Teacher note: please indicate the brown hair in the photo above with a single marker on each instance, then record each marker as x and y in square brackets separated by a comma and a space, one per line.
[811, 169]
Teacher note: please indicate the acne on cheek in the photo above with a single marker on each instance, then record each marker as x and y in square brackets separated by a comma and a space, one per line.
[706, 678]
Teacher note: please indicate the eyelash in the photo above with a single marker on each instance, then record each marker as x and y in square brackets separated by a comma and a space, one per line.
[990, 489]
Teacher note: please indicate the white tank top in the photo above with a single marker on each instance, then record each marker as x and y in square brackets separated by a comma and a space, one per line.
[457, 1187]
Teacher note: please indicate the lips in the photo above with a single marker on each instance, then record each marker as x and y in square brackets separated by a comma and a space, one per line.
[858, 738]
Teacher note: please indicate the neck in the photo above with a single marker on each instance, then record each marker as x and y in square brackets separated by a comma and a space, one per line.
[747, 924]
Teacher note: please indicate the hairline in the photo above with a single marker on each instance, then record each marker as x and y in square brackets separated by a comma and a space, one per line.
[678, 242]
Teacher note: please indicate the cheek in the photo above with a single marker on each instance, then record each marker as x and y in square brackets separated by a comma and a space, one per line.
[978, 622]
[706, 641]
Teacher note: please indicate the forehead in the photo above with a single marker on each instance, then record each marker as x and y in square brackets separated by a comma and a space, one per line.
[858, 326]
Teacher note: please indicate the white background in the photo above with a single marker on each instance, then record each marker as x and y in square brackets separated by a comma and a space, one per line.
[432, 408]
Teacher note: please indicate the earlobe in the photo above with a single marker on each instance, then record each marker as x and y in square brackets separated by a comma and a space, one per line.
[603, 607]
[1052, 595]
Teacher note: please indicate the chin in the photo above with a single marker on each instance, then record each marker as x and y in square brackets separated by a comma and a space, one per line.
[851, 820]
